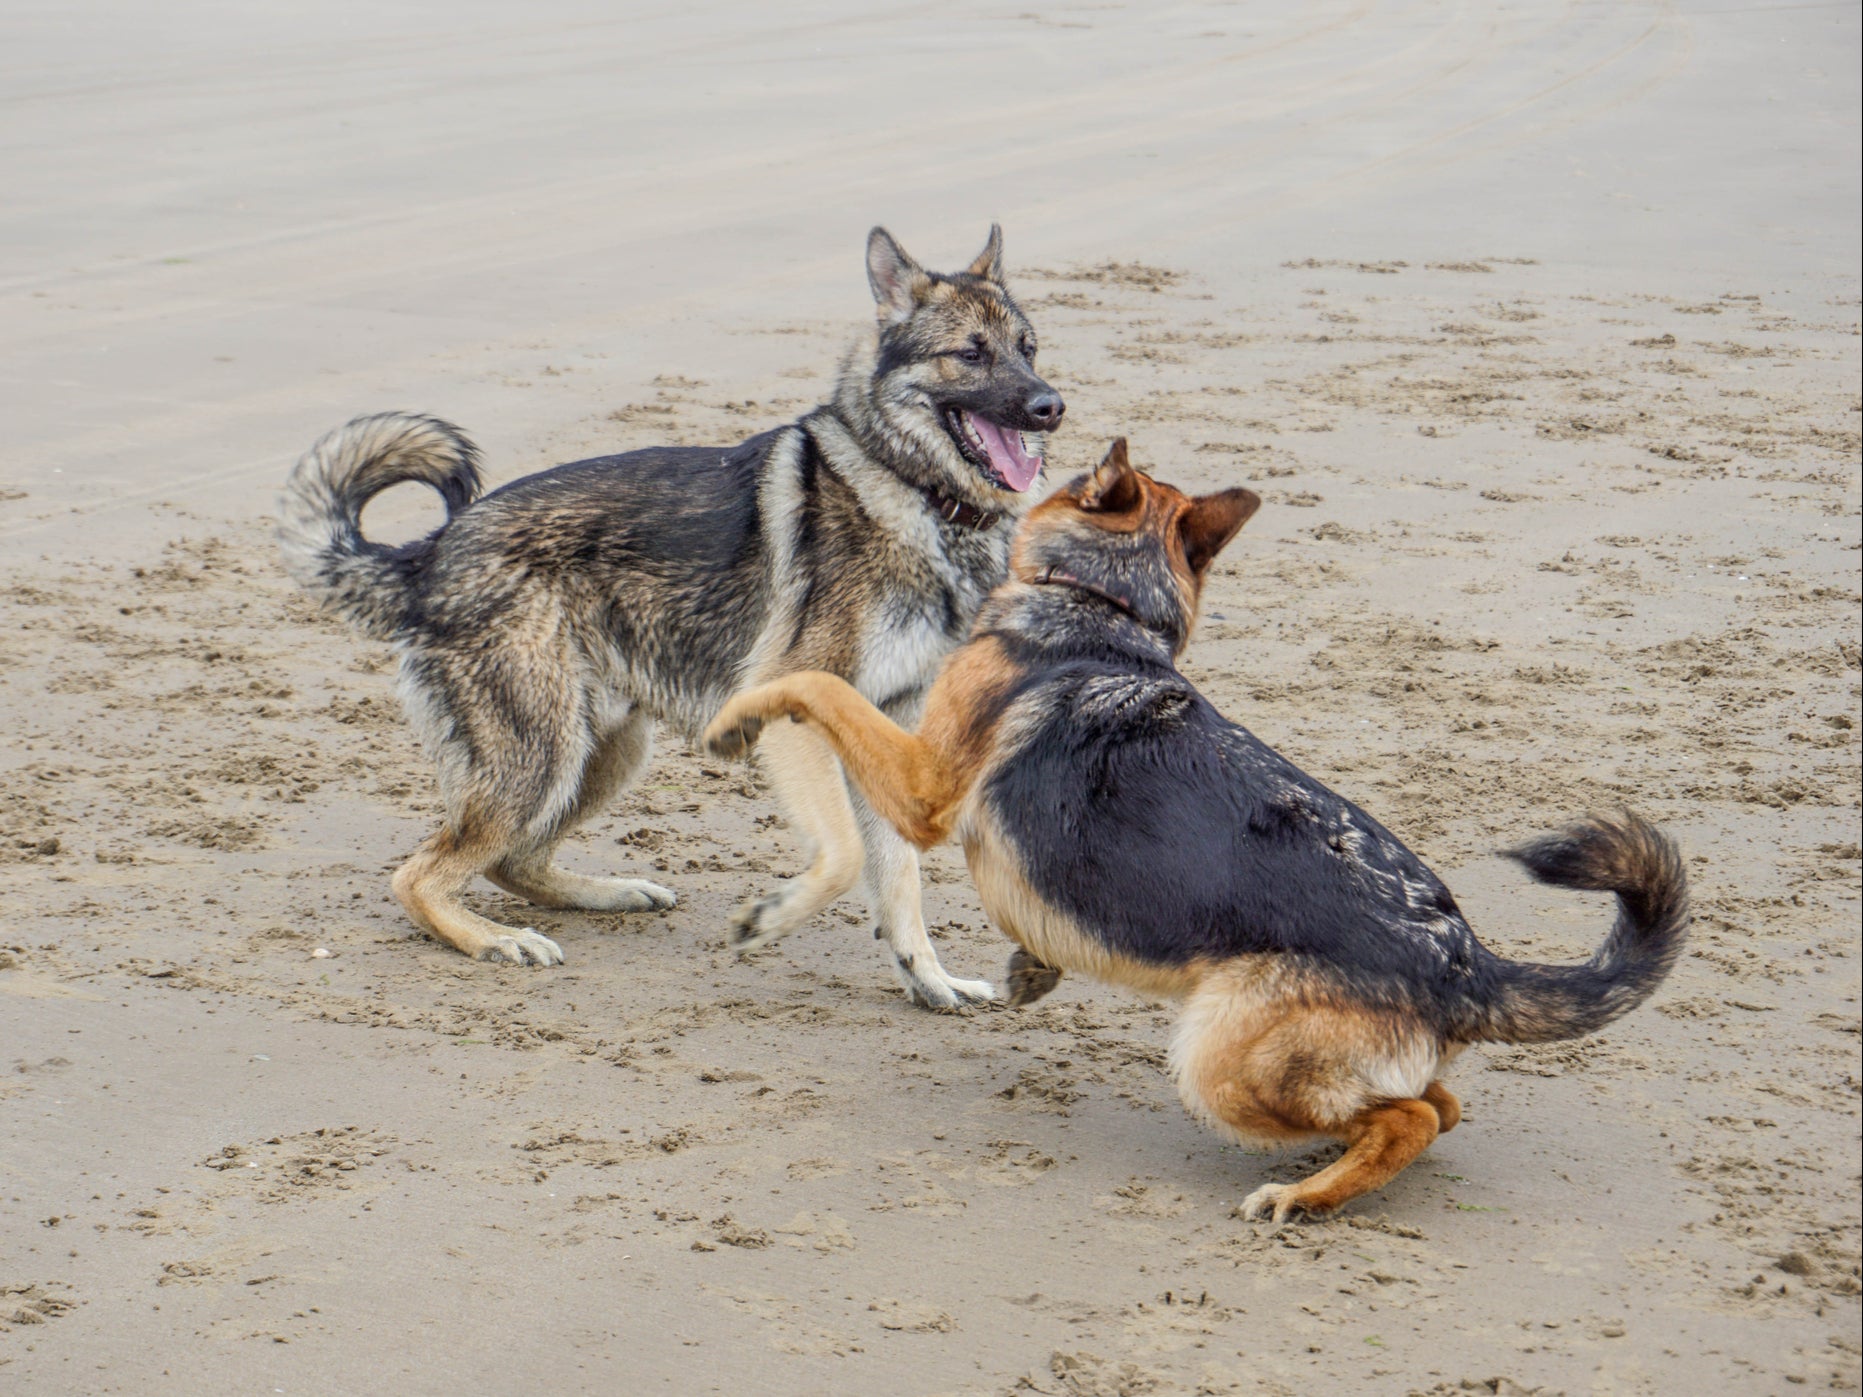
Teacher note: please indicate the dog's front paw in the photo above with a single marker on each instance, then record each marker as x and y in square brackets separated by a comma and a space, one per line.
[1280, 1200]
[521, 947]
[1029, 979]
[936, 990]
[759, 922]
[642, 896]
[732, 738]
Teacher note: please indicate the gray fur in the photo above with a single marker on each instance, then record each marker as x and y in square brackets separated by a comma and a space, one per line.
[547, 625]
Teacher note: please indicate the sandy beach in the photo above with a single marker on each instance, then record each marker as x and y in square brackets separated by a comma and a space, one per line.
[1536, 327]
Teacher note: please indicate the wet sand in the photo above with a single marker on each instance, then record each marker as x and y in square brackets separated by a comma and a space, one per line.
[1537, 331]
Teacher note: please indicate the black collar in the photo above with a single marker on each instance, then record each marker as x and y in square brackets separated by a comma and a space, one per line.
[952, 511]
[1054, 576]
[958, 511]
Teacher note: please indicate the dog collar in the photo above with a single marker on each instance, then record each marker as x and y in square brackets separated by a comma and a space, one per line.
[958, 511]
[1053, 576]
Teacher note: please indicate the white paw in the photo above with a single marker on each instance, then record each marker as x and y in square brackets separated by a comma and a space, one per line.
[1277, 1199]
[974, 991]
[518, 947]
[933, 989]
[638, 895]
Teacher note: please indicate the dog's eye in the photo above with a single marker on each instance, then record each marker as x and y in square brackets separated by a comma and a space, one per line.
[1028, 350]
[971, 354]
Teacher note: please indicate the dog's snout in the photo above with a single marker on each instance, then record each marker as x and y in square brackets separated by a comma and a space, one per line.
[1046, 408]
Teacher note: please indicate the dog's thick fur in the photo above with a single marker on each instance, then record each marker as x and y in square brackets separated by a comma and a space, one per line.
[1116, 824]
[545, 627]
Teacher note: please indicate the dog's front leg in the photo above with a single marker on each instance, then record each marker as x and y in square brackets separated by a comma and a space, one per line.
[891, 876]
[1030, 979]
[807, 780]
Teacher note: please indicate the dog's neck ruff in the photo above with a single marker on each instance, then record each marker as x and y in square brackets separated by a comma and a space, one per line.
[1061, 577]
[958, 511]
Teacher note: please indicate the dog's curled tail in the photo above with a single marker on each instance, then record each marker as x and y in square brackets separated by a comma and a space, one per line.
[1625, 855]
[320, 511]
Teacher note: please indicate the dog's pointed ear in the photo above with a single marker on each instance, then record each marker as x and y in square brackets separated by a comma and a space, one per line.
[1114, 487]
[1211, 521]
[988, 264]
[895, 278]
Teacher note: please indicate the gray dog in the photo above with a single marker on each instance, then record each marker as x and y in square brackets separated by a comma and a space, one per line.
[545, 627]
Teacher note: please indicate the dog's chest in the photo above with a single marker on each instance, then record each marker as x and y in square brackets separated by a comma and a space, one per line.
[924, 617]
[903, 653]
[1046, 932]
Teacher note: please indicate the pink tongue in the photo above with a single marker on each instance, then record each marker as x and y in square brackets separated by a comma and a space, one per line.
[1007, 458]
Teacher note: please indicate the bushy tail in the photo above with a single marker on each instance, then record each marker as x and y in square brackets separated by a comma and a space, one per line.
[320, 511]
[1627, 856]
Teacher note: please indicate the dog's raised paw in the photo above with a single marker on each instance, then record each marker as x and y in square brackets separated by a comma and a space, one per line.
[735, 740]
[1029, 979]
[756, 923]
[522, 947]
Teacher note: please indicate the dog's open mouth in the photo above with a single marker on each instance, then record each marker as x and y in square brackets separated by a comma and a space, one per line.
[997, 451]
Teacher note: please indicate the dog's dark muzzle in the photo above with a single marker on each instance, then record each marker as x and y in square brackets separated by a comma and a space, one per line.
[1013, 398]
[1043, 411]
[1024, 403]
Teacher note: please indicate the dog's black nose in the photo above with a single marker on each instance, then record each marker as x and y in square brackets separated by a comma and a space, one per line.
[1046, 408]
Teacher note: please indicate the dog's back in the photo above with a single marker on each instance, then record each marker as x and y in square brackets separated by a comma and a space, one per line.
[655, 560]
[1179, 840]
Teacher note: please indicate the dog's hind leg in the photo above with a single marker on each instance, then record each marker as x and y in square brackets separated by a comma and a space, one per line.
[428, 886]
[892, 884]
[524, 749]
[495, 776]
[533, 873]
[1262, 1068]
[807, 780]
[1381, 1142]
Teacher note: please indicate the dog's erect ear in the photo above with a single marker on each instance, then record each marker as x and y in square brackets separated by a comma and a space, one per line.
[895, 278]
[989, 263]
[1114, 487]
[1211, 521]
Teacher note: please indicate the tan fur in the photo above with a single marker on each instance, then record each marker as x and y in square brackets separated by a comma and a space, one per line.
[1266, 1054]
[427, 888]
[802, 771]
[1263, 1037]
[1448, 1106]
[1382, 1141]
[915, 781]
[1118, 498]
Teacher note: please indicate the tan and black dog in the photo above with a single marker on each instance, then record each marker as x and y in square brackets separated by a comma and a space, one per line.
[547, 626]
[1116, 824]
